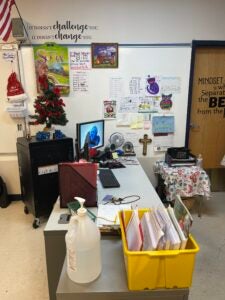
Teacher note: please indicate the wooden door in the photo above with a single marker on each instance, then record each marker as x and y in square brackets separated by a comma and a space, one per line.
[206, 113]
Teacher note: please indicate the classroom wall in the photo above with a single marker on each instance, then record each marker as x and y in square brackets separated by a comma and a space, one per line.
[131, 21]
[122, 21]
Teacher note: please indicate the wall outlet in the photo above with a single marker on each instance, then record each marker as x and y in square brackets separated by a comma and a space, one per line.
[20, 130]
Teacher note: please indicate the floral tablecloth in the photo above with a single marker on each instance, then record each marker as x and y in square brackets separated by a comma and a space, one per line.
[185, 181]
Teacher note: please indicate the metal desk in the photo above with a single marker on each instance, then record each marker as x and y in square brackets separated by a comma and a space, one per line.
[133, 181]
[112, 282]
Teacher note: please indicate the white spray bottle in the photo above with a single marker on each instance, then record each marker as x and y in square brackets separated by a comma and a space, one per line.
[83, 247]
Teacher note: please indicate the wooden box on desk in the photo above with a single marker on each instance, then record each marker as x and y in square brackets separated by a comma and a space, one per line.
[157, 269]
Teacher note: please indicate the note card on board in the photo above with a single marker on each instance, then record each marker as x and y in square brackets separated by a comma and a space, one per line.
[163, 124]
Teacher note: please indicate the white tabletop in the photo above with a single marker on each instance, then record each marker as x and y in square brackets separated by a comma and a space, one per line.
[133, 181]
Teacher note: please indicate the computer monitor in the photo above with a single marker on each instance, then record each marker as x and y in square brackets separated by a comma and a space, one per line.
[91, 133]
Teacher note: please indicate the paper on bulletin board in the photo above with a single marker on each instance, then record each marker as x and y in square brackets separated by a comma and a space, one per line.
[123, 120]
[137, 121]
[134, 121]
[163, 124]
[80, 59]
[147, 124]
[148, 104]
[80, 82]
[163, 142]
[135, 85]
[170, 84]
[153, 85]
[109, 107]
[129, 104]
[52, 61]
[116, 88]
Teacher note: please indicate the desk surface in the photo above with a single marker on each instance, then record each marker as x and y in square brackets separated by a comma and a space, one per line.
[133, 181]
[112, 281]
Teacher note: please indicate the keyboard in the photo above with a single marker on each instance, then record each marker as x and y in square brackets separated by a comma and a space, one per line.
[108, 179]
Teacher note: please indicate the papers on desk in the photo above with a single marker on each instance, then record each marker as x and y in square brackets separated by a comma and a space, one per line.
[157, 229]
[129, 160]
[108, 214]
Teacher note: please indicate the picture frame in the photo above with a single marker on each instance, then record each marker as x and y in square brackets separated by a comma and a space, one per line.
[104, 55]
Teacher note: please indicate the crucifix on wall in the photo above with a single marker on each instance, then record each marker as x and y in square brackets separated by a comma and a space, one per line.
[145, 141]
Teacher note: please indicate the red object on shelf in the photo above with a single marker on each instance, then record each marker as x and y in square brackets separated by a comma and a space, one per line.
[93, 152]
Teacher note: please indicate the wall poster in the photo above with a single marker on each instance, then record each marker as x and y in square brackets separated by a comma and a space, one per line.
[109, 109]
[52, 60]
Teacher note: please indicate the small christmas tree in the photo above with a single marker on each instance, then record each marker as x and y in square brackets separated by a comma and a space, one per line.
[48, 106]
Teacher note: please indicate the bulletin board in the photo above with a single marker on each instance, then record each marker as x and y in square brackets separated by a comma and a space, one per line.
[91, 89]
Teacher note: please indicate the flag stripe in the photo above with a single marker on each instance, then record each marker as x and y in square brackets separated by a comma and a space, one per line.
[4, 29]
[2, 3]
[5, 24]
[3, 9]
[6, 36]
[5, 19]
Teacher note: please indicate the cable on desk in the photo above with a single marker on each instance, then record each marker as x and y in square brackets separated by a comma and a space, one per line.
[118, 201]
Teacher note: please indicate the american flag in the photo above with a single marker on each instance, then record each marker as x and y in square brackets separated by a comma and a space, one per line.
[5, 19]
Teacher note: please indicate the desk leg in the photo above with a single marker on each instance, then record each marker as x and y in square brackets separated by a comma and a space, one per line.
[161, 189]
[55, 251]
[200, 200]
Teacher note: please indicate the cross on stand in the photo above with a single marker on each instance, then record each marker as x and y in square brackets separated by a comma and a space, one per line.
[145, 141]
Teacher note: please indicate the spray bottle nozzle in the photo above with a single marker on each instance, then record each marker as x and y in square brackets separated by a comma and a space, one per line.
[82, 210]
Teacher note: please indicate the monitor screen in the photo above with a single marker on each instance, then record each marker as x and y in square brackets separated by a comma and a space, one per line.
[91, 133]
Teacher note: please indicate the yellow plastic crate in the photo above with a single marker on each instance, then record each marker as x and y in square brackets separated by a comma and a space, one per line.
[158, 269]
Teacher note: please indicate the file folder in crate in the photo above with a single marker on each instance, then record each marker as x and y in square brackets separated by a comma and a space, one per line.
[158, 269]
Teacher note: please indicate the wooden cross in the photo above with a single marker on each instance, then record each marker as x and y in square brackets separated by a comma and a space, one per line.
[145, 141]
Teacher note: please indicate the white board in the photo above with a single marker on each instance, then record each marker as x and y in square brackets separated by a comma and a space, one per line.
[133, 61]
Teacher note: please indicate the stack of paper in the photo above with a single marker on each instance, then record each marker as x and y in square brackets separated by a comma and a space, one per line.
[134, 233]
[170, 240]
[158, 229]
[152, 232]
[162, 233]
[108, 214]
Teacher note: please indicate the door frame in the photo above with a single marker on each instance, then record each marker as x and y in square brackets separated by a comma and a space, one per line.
[195, 45]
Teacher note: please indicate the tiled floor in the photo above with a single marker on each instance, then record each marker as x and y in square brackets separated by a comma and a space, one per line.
[22, 255]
